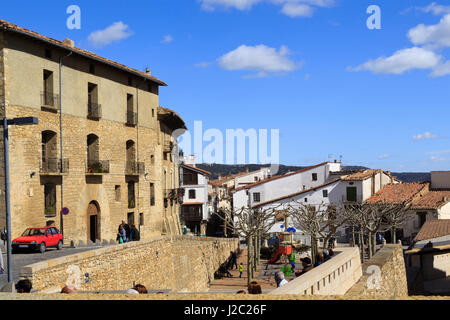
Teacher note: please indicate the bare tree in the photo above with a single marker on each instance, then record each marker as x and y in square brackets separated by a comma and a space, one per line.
[372, 217]
[250, 224]
[318, 221]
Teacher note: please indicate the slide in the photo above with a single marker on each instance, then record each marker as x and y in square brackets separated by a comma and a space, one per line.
[277, 255]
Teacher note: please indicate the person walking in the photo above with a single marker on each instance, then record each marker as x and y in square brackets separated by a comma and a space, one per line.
[233, 260]
[241, 269]
[122, 235]
[134, 234]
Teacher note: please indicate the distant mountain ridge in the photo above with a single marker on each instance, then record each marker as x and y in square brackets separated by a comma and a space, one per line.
[225, 170]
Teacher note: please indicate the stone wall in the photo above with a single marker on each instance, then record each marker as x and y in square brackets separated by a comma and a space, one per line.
[177, 263]
[2, 115]
[392, 275]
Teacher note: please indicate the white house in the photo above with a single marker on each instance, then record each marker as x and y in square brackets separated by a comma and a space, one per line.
[194, 210]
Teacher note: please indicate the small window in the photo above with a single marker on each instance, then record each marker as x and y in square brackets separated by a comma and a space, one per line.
[325, 193]
[256, 179]
[191, 194]
[306, 199]
[117, 190]
[152, 194]
[92, 68]
[152, 159]
[153, 113]
[314, 177]
[141, 219]
[256, 197]
[130, 218]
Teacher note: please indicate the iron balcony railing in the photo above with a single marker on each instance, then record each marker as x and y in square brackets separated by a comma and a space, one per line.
[131, 118]
[97, 166]
[134, 168]
[94, 111]
[49, 100]
[54, 166]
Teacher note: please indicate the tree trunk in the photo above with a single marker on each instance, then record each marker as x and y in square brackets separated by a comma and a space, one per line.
[258, 246]
[313, 249]
[374, 244]
[249, 260]
[393, 235]
[255, 253]
[369, 244]
[353, 236]
[361, 244]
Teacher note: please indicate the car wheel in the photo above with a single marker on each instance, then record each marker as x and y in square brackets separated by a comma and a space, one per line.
[42, 247]
[60, 245]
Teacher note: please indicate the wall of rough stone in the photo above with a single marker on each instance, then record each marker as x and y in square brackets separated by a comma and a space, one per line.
[392, 275]
[2, 115]
[178, 263]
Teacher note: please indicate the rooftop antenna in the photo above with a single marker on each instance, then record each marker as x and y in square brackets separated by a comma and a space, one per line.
[340, 159]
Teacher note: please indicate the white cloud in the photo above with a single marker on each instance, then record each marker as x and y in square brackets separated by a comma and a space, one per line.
[291, 8]
[115, 32]
[261, 59]
[441, 70]
[402, 61]
[434, 36]
[297, 10]
[384, 156]
[167, 39]
[435, 9]
[425, 136]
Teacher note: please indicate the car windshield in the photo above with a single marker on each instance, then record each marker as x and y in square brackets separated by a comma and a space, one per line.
[33, 232]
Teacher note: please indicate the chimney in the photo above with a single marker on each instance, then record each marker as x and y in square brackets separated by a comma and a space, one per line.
[147, 71]
[69, 42]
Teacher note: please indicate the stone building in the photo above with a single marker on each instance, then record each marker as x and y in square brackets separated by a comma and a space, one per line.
[102, 147]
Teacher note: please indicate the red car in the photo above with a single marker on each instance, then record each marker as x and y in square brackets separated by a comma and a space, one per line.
[38, 239]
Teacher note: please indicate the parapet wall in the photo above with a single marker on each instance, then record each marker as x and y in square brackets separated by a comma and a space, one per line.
[383, 276]
[334, 277]
[178, 263]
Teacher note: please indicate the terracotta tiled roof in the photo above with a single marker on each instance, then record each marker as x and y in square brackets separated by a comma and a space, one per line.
[434, 199]
[12, 27]
[197, 169]
[279, 177]
[399, 193]
[296, 194]
[361, 175]
[434, 228]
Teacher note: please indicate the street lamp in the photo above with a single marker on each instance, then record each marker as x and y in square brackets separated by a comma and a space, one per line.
[11, 122]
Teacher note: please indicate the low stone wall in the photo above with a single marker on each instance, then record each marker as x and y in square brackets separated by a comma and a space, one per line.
[178, 263]
[334, 277]
[387, 266]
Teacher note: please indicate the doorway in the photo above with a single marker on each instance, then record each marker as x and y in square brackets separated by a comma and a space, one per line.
[93, 233]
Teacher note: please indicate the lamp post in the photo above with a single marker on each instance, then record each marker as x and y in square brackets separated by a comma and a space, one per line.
[11, 122]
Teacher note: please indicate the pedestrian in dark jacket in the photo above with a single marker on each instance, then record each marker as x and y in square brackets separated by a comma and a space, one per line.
[134, 234]
[233, 260]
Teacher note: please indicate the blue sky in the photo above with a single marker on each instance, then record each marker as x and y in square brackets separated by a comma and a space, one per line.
[310, 68]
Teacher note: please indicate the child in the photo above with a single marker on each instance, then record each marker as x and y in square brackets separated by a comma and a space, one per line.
[241, 269]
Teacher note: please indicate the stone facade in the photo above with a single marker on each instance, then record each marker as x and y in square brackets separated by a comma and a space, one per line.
[23, 62]
[393, 281]
[178, 263]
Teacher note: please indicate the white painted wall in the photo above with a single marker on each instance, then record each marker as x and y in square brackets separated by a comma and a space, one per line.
[250, 177]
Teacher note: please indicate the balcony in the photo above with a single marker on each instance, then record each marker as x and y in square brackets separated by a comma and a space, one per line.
[54, 167]
[49, 101]
[94, 111]
[133, 168]
[131, 119]
[97, 167]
